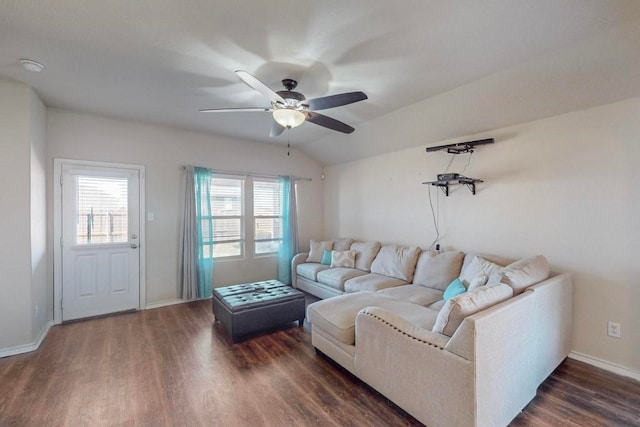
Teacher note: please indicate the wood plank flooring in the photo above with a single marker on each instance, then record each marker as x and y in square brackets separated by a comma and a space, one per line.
[171, 367]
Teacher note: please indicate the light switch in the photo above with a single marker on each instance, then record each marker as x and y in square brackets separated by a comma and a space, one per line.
[151, 216]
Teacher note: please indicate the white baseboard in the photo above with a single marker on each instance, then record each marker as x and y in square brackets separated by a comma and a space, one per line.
[153, 305]
[26, 348]
[607, 366]
[164, 303]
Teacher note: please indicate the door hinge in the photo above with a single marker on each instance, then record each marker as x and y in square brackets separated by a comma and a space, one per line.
[60, 304]
[60, 180]
[61, 242]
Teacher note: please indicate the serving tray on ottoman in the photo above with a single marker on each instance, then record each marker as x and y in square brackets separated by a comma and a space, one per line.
[253, 307]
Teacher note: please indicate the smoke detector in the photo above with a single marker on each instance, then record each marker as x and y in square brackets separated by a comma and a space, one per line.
[31, 65]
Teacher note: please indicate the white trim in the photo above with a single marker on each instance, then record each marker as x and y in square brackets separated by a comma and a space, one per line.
[606, 365]
[153, 305]
[57, 228]
[26, 348]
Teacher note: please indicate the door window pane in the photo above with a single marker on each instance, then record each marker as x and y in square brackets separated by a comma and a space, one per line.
[101, 210]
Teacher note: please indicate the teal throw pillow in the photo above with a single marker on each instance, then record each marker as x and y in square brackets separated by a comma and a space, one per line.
[326, 257]
[455, 288]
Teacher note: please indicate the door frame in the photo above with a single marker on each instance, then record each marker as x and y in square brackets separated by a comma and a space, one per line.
[57, 228]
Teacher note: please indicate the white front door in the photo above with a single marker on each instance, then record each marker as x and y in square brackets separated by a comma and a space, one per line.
[100, 240]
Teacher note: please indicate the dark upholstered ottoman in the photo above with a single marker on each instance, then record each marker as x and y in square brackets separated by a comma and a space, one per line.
[252, 307]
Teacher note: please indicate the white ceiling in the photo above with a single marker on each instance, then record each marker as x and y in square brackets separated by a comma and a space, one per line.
[433, 69]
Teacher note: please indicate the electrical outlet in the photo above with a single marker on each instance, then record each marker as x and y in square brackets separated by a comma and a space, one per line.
[613, 329]
[37, 311]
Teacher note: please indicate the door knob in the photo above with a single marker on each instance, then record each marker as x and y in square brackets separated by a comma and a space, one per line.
[134, 246]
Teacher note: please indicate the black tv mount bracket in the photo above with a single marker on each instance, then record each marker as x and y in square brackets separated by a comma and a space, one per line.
[445, 180]
[461, 147]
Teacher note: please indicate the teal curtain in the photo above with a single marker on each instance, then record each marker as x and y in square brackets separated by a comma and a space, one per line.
[289, 246]
[204, 226]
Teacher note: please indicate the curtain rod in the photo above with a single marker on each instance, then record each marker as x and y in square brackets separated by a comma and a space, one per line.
[257, 175]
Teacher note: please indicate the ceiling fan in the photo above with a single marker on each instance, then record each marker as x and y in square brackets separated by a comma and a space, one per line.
[291, 109]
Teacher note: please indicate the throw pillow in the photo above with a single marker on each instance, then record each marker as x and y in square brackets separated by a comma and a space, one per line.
[316, 250]
[326, 257]
[346, 259]
[524, 273]
[478, 266]
[480, 280]
[455, 288]
[456, 309]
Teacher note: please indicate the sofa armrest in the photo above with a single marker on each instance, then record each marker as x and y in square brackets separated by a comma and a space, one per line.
[297, 260]
[406, 363]
[405, 327]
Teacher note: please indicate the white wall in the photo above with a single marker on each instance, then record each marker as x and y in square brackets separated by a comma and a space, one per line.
[15, 272]
[567, 187]
[21, 134]
[41, 281]
[164, 151]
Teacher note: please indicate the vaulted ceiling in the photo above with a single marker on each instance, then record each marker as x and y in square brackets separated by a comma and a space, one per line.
[433, 69]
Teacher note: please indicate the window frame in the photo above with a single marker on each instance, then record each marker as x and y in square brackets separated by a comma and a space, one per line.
[256, 217]
[248, 241]
[241, 217]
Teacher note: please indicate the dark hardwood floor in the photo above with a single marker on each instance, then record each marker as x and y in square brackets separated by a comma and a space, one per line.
[171, 367]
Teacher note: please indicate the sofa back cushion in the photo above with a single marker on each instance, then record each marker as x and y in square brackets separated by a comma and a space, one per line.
[526, 272]
[457, 308]
[396, 261]
[496, 259]
[316, 250]
[342, 244]
[365, 253]
[436, 270]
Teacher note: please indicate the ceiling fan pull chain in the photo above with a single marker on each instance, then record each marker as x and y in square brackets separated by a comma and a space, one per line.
[288, 141]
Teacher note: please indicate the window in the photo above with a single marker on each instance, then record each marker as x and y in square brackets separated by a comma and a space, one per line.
[246, 213]
[267, 215]
[101, 210]
[227, 208]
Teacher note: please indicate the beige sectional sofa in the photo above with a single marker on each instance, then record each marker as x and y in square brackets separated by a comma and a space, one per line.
[475, 359]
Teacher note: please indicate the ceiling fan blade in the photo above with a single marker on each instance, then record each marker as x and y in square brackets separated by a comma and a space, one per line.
[328, 122]
[332, 101]
[234, 110]
[259, 86]
[276, 129]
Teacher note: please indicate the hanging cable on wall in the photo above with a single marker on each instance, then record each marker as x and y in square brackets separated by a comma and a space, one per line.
[436, 217]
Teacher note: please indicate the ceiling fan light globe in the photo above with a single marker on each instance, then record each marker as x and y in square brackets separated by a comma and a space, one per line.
[288, 118]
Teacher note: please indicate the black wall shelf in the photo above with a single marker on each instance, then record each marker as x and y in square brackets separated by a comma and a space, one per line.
[470, 183]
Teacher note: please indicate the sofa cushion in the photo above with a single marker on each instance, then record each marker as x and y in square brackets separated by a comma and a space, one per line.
[335, 277]
[476, 269]
[415, 294]
[310, 270]
[457, 308]
[346, 259]
[524, 273]
[365, 253]
[371, 282]
[437, 270]
[316, 250]
[396, 261]
[496, 259]
[337, 316]
[342, 244]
